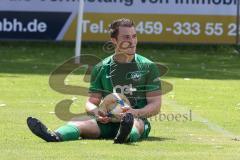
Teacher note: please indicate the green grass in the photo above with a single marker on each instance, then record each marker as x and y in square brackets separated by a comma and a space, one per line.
[205, 79]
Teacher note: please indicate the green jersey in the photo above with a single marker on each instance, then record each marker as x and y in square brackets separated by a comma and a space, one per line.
[133, 79]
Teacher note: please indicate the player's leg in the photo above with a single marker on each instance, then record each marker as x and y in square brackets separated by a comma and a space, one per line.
[140, 129]
[86, 127]
[40, 130]
[125, 128]
[137, 130]
[132, 130]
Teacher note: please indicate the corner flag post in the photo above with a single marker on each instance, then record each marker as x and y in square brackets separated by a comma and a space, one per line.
[79, 32]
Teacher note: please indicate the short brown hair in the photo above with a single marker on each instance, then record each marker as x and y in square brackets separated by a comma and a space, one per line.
[114, 26]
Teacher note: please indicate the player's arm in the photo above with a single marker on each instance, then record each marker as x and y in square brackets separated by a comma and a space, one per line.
[92, 108]
[152, 108]
[93, 103]
[153, 94]
[95, 95]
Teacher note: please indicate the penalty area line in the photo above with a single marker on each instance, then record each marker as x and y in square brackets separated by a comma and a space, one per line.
[214, 127]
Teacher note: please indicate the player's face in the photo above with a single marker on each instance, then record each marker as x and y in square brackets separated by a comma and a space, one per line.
[126, 41]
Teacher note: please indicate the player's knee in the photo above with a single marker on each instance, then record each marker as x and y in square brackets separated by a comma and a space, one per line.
[139, 125]
[89, 128]
[82, 124]
[75, 123]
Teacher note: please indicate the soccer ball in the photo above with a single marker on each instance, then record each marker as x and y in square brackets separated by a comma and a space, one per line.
[114, 104]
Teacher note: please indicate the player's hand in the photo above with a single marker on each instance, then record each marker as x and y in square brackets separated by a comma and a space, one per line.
[102, 117]
[133, 111]
[128, 110]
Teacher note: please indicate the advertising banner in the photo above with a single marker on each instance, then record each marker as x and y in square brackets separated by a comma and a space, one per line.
[165, 21]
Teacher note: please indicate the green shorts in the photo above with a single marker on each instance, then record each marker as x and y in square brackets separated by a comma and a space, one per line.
[109, 130]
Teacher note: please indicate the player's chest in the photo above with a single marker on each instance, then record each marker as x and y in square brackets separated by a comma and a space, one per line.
[125, 77]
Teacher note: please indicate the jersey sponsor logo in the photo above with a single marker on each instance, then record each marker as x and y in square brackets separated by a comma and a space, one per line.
[126, 89]
[136, 75]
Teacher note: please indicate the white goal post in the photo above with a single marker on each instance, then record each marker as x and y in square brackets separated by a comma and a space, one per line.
[78, 42]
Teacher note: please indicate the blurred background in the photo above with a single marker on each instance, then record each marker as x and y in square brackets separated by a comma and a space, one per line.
[165, 21]
[197, 40]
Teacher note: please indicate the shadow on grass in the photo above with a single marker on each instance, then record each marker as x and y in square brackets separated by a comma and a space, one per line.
[151, 139]
[159, 139]
[199, 61]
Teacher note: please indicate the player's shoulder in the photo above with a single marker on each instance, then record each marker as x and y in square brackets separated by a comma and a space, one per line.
[103, 63]
[141, 59]
[145, 63]
[106, 61]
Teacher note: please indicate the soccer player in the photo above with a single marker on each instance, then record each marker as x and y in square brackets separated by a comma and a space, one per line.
[124, 72]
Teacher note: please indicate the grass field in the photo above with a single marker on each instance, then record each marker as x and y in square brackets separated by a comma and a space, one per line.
[205, 79]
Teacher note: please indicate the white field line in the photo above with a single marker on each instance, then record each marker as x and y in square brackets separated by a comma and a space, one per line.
[196, 117]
